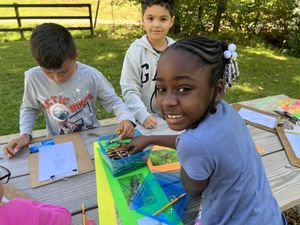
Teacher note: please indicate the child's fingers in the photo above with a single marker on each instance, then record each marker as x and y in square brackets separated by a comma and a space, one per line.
[19, 146]
[133, 149]
[15, 145]
[119, 130]
[150, 122]
[131, 133]
[150, 125]
[9, 151]
[127, 133]
[126, 130]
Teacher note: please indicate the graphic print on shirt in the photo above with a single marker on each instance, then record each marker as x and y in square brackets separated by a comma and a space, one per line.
[67, 117]
[145, 73]
[146, 77]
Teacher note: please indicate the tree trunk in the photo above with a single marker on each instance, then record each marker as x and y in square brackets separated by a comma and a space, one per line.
[176, 27]
[200, 13]
[221, 7]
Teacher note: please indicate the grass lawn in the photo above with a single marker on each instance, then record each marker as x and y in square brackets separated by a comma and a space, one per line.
[263, 72]
[106, 10]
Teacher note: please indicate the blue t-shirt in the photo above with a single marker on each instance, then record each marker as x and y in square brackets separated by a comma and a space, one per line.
[221, 150]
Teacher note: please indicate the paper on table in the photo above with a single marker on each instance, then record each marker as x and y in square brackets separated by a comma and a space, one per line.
[4, 199]
[149, 221]
[294, 140]
[259, 118]
[57, 161]
[296, 128]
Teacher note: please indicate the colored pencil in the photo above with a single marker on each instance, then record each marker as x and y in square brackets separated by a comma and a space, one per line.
[169, 204]
[83, 214]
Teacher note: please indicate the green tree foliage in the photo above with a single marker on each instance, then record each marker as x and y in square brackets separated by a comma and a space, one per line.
[275, 21]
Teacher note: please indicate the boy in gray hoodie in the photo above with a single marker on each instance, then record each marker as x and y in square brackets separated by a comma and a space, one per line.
[64, 89]
[139, 66]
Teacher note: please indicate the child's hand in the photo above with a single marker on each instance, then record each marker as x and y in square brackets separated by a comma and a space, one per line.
[16, 144]
[150, 122]
[126, 129]
[138, 144]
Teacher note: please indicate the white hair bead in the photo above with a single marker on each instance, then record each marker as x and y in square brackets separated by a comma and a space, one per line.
[227, 54]
[231, 70]
[232, 47]
[233, 55]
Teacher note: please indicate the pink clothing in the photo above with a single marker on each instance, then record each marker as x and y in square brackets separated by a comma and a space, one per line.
[27, 212]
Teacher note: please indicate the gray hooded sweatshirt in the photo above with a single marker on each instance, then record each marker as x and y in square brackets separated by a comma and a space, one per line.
[138, 78]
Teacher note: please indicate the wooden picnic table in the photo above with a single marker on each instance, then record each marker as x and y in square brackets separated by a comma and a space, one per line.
[283, 177]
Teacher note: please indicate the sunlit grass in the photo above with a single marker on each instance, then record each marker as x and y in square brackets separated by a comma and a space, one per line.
[104, 13]
[267, 53]
[262, 73]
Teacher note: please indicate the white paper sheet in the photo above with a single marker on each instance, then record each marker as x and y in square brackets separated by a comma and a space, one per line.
[259, 118]
[57, 161]
[296, 128]
[294, 140]
[149, 221]
[4, 199]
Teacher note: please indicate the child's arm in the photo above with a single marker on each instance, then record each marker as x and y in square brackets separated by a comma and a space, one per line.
[28, 113]
[30, 105]
[130, 83]
[111, 101]
[191, 186]
[139, 143]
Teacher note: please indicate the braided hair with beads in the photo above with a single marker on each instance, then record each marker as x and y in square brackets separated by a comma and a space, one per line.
[212, 53]
[215, 53]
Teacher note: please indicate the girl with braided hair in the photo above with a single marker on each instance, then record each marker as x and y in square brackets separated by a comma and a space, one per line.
[218, 156]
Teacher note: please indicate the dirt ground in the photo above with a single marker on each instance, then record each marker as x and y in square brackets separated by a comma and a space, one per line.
[292, 216]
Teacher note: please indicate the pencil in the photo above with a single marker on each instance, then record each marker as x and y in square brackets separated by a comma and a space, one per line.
[83, 214]
[118, 131]
[169, 204]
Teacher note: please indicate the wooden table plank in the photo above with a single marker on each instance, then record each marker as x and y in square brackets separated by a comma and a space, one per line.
[69, 193]
[267, 140]
[284, 179]
[18, 165]
[36, 133]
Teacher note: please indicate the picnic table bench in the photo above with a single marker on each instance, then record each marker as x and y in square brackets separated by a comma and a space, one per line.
[283, 177]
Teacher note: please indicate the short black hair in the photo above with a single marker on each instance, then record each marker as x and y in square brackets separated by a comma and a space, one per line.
[51, 45]
[168, 4]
